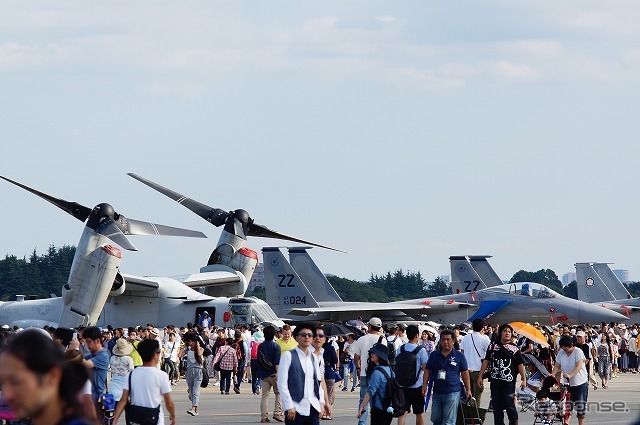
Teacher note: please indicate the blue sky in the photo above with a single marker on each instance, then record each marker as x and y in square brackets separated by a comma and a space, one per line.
[401, 133]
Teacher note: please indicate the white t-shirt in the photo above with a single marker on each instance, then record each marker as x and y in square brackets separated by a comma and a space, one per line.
[149, 385]
[474, 358]
[568, 363]
[361, 348]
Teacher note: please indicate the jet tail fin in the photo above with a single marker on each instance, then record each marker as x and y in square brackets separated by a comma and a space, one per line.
[284, 289]
[311, 275]
[590, 286]
[484, 270]
[463, 277]
[617, 288]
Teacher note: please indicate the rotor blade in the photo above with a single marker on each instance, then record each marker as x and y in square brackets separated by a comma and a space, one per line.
[263, 232]
[215, 216]
[78, 211]
[137, 227]
[111, 230]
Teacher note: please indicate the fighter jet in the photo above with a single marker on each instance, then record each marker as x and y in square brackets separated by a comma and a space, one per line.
[290, 297]
[592, 289]
[231, 262]
[96, 291]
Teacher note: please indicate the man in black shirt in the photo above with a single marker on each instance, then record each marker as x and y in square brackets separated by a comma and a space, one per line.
[504, 362]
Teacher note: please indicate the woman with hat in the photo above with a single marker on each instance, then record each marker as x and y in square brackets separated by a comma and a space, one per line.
[121, 364]
[376, 392]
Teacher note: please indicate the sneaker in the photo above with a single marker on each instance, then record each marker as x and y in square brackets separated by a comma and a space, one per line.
[236, 390]
[345, 389]
[358, 385]
[278, 419]
[353, 389]
[215, 384]
[195, 414]
[191, 412]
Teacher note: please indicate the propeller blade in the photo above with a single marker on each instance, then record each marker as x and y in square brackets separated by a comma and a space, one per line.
[73, 208]
[137, 227]
[110, 229]
[261, 231]
[215, 216]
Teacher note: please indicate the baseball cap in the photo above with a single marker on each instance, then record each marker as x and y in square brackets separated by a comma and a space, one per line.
[374, 321]
[581, 333]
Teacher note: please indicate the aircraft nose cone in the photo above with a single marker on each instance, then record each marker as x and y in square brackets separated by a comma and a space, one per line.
[591, 313]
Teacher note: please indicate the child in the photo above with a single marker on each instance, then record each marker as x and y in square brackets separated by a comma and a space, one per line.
[545, 408]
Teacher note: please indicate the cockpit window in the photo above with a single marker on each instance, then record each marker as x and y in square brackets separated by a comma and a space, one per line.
[534, 290]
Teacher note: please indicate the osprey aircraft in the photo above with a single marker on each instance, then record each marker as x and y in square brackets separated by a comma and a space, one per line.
[98, 293]
[231, 264]
[296, 298]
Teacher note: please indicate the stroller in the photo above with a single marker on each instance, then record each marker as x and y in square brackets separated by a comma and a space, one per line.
[559, 398]
[527, 400]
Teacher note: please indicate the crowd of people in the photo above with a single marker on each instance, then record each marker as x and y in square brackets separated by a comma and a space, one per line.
[304, 368]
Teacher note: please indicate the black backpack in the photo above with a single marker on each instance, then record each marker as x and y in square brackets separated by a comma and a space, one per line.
[407, 371]
[394, 397]
[264, 361]
[391, 350]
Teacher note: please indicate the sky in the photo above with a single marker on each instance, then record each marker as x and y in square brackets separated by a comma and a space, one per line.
[400, 132]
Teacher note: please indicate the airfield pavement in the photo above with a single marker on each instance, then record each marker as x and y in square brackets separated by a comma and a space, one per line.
[244, 408]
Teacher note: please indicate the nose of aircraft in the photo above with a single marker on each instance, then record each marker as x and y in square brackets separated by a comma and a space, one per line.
[593, 313]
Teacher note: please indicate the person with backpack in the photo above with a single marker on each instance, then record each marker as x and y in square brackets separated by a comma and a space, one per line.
[377, 395]
[411, 362]
[268, 363]
[360, 350]
[256, 340]
[445, 367]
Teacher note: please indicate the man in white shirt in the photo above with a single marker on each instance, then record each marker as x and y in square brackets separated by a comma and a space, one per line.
[360, 350]
[299, 380]
[149, 385]
[474, 346]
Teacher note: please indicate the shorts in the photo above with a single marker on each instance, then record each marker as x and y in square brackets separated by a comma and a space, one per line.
[413, 400]
[578, 398]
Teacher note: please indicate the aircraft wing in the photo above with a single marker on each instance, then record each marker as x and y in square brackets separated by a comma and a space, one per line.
[361, 308]
[139, 283]
[214, 278]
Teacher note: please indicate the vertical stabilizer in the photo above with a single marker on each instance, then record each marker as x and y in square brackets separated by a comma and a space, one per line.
[311, 275]
[284, 288]
[484, 270]
[463, 277]
[591, 288]
[617, 288]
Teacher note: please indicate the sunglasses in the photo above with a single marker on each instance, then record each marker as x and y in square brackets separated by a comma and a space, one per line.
[306, 334]
[319, 335]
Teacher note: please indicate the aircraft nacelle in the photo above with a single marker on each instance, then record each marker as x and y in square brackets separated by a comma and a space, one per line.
[232, 253]
[118, 286]
[93, 272]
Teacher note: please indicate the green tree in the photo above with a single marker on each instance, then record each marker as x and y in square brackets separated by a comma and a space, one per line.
[571, 290]
[546, 277]
[351, 290]
[438, 287]
[258, 292]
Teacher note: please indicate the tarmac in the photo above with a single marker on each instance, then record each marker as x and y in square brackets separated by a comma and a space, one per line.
[618, 404]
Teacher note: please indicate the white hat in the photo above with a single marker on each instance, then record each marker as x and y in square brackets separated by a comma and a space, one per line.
[122, 347]
[581, 333]
[374, 321]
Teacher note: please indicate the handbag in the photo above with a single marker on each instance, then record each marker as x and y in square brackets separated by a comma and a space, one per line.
[337, 377]
[216, 365]
[205, 378]
[138, 415]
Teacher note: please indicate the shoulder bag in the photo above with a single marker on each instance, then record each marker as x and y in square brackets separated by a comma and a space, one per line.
[138, 415]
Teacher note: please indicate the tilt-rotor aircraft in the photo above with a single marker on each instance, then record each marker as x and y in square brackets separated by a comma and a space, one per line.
[144, 299]
[312, 297]
[94, 274]
[231, 264]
